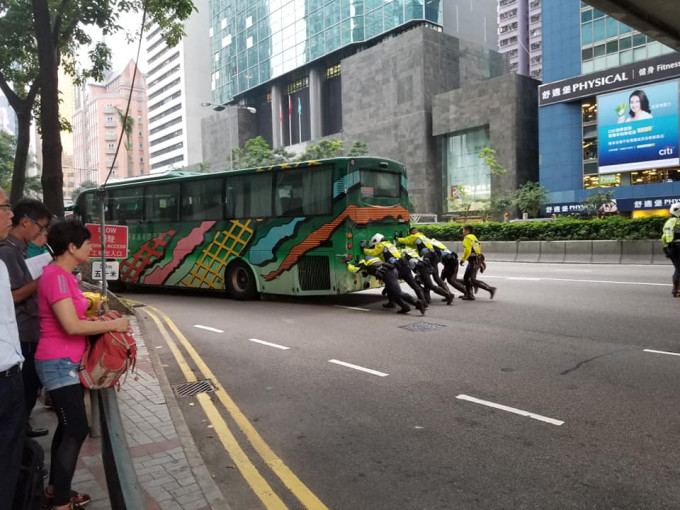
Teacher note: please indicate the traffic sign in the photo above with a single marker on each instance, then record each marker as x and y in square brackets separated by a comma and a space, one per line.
[116, 241]
[112, 270]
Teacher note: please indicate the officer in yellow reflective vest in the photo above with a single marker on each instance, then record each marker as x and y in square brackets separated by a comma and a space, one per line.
[378, 246]
[472, 251]
[671, 244]
[386, 272]
[428, 252]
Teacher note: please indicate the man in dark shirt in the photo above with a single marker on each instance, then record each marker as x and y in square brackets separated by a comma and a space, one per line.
[31, 217]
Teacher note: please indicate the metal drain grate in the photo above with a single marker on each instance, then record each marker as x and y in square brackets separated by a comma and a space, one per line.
[194, 388]
[422, 326]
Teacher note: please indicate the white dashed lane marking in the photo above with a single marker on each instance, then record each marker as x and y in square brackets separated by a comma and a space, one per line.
[208, 328]
[652, 351]
[526, 414]
[269, 344]
[357, 367]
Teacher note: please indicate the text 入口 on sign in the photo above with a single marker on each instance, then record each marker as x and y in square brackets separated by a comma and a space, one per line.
[116, 241]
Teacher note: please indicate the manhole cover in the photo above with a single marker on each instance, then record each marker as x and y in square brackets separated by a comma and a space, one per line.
[194, 388]
[422, 326]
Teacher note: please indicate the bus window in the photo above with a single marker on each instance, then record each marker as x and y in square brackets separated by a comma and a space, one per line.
[90, 213]
[161, 202]
[202, 200]
[302, 192]
[125, 205]
[249, 196]
[384, 184]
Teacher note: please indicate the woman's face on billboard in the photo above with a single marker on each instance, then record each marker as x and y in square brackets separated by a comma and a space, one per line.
[634, 103]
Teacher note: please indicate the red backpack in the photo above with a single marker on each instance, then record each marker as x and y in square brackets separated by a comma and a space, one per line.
[107, 357]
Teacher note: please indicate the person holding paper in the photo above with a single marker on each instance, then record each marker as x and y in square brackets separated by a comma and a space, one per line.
[31, 218]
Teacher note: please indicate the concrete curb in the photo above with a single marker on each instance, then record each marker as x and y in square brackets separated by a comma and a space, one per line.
[634, 252]
[203, 478]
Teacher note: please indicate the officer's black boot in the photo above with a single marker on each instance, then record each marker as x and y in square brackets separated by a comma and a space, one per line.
[491, 290]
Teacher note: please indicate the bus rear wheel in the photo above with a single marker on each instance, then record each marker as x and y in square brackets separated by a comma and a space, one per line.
[240, 281]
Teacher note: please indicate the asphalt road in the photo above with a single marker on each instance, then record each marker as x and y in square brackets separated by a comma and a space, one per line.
[421, 429]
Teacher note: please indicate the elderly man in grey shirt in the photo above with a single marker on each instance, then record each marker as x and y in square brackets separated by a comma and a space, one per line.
[12, 412]
[31, 218]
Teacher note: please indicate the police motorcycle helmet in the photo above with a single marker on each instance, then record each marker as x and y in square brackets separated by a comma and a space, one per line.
[375, 240]
[675, 209]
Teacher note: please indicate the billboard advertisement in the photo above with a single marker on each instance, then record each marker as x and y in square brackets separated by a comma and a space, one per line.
[638, 128]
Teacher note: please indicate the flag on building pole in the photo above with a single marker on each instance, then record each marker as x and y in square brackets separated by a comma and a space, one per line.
[299, 112]
[281, 124]
[290, 116]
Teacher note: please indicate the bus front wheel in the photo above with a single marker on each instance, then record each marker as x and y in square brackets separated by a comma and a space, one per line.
[240, 282]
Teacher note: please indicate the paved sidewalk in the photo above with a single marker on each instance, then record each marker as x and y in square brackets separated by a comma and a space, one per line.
[168, 467]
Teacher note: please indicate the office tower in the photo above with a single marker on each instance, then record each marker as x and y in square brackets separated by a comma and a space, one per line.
[294, 72]
[178, 82]
[608, 112]
[519, 35]
[98, 124]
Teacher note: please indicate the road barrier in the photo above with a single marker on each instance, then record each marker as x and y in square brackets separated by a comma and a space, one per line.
[571, 252]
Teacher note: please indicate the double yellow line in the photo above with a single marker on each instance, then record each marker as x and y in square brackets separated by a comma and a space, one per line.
[249, 472]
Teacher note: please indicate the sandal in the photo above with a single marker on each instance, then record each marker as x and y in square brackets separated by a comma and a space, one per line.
[78, 499]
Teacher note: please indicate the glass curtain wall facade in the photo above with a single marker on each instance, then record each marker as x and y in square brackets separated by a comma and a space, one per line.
[467, 177]
[608, 43]
[255, 41]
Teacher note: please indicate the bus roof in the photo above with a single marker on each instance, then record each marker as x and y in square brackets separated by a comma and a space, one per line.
[182, 174]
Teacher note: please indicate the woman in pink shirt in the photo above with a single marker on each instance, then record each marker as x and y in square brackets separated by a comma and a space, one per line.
[63, 336]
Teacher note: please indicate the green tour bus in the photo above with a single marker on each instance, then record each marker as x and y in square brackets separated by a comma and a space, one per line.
[284, 229]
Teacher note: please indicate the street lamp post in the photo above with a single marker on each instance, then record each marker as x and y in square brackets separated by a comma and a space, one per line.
[219, 108]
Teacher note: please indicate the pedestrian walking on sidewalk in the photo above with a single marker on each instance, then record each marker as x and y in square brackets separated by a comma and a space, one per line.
[12, 412]
[472, 253]
[31, 218]
[671, 244]
[63, 336]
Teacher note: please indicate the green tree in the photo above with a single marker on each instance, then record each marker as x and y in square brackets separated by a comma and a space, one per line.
[326, 148]
[529, 197]
[594, 201]
[60, 31]
[358, 148]
[462, 201]
[496, 207]
[489, 157]
[19, 82]
[128, 123]
[8, 145]
[257, 153]
[83, 186]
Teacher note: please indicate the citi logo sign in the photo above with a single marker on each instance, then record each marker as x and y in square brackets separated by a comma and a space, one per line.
[668, 150]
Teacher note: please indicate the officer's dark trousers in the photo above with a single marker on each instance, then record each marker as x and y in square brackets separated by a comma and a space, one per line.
[675, 259]
[406, 274]
[470, 278]
[450, 274]
[425, 274]
[394, 292]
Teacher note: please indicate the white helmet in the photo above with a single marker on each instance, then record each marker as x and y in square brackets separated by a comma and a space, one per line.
[377, 238]
[675, 209]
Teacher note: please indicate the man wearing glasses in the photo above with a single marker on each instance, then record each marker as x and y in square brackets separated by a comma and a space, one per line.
[31, 218]
[12, 415]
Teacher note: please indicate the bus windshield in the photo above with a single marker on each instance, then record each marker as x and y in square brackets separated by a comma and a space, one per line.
[284, 229]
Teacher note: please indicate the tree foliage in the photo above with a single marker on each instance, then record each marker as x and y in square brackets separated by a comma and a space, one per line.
[529, 197]
[592, 205]
[257, 153]
[8, 147]
[489, 157]
[39, 36]
[83, 186]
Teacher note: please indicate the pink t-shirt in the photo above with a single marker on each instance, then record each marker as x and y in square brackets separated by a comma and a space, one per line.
[56, 284]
